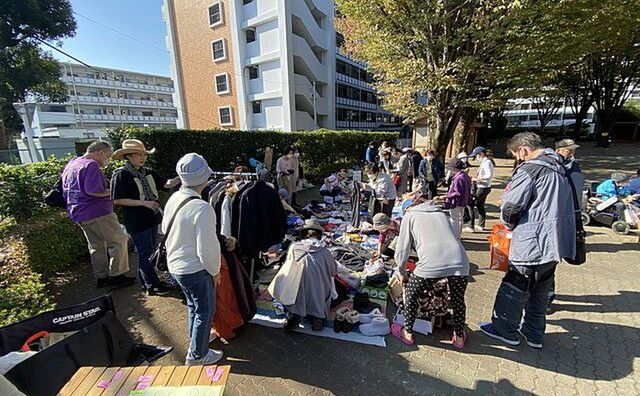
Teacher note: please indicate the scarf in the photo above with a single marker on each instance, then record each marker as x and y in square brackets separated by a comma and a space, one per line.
[141, 174]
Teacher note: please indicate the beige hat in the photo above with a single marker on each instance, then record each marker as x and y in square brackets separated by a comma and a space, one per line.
[312, 224]
[567, 143]
[131, 146]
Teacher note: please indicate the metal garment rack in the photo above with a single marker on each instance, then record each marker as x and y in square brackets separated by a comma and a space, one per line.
[246, 176]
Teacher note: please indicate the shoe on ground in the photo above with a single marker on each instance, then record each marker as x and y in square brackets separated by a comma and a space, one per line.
[160, 289]
[339, 320]
[458, 342]
[292, 324]
[367, 318]
[351, 320]
[534, 345]
[488, 329]
[478, 228]
[212, 357]
[468, 229]
[398, 332]
[121, 281]
[318, 324]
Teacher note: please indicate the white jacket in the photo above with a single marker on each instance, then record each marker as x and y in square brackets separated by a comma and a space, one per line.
[192, 244]
[383, 187]
[484, 177]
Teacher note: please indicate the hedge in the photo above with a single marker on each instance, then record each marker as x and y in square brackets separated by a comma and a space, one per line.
[322, 151]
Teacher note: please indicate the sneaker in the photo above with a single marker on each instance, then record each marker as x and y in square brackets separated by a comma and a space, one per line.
[478, 228]
[160, 289]
[458, 342]
[212, 357]
[468, 229]
[488, 329]
[121, 281]
[534, 345]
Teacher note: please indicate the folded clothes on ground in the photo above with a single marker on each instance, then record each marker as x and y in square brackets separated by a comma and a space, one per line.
[379, 281]
[373, 267]
[362, 304]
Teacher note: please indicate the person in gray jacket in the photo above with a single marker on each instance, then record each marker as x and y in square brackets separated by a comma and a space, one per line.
[538, 207]
[440, 255]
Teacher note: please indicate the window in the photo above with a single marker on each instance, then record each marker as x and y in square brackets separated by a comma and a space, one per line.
[253, 72]
[215, 14]
[222, 84]
[251, 35]
[245, 2]
[147, 113]
[225, 115]
[219, 50]
[256, 106]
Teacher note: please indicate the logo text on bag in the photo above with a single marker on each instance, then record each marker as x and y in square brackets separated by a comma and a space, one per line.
[75, 317]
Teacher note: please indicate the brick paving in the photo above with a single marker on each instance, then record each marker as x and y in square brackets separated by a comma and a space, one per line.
[592, 345]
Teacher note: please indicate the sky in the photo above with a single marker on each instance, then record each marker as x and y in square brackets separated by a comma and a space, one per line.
[99, 46]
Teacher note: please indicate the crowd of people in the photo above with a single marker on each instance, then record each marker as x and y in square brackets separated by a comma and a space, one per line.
[418, 229]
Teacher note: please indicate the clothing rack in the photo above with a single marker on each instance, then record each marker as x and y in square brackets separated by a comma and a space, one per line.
[249, 175]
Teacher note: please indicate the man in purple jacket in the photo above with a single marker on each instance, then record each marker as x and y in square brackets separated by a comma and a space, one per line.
[457, 197]
[89, 205]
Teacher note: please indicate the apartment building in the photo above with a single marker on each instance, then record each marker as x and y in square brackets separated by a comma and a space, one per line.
[252, 64]
[99, 99]
[523, 113]
[266, 64]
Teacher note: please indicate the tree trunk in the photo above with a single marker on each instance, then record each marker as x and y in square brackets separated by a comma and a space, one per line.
[461, 139]
[446, 128]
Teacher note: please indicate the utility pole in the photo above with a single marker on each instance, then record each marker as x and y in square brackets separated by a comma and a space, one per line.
[315, 110]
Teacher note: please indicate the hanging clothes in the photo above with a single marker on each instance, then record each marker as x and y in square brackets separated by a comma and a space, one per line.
[355, 206]
[227, 317]
[242, 286]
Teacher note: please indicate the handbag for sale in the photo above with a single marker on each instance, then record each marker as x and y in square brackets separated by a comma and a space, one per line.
[159, 257]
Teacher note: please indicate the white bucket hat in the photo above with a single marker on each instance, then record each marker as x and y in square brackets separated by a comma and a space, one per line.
[193, 170]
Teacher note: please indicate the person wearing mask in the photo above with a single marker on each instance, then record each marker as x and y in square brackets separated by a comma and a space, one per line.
[482, 182]
[567, 149]
[457, 197]
[464, 157]
[383, 147]
[386, 163]
[285, 171]
[89, 205]
[385, 192]
[370, 155]
[402, 170]
[431, 171]
[193, 254]
[440, 255]
[135, 188]
[617, 186]
[414, 170]
[538, 209]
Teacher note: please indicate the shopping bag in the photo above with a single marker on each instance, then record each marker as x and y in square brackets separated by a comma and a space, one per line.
[284, 286]
[631, 217]
[499, 244]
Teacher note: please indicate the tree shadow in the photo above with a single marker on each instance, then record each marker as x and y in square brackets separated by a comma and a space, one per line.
[624, 302]
[612, 248]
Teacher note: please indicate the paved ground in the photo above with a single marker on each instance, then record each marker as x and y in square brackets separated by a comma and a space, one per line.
[592, 344]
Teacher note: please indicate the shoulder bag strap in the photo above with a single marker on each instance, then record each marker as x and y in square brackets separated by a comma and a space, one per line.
[166, 234]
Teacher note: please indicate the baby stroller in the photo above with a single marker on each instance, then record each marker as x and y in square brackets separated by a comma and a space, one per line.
[605, 212]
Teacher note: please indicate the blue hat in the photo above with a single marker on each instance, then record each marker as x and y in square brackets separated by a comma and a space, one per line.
[477, 151]
[253, 162]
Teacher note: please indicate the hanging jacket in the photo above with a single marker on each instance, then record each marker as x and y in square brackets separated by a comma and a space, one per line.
[262, 220]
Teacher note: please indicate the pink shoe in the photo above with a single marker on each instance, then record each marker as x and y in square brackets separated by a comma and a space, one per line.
[397, 331]
[458, 342]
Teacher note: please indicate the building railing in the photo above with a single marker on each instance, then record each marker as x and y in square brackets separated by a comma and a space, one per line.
[356, 103]
[126, 118]
[116, 84]
[353, 81]
[120, 101]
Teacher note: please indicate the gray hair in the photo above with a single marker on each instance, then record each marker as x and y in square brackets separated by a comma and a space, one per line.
[529, 140]
[99, 145]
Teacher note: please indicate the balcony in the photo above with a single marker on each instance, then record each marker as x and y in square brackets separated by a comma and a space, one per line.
[95, 100]
[113, 118]
[353, 81]
[304, 25]
[50, 117]
[93, 82]
[304, 91]
[306, 62]
[355, 103]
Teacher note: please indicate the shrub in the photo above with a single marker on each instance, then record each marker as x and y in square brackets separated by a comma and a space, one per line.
[47, 245]
[322, 151]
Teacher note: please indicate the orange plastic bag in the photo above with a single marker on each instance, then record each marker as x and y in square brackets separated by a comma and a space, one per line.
[499, 244]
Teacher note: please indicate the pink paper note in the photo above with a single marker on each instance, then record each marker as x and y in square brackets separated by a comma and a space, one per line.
[143, 385]
[117, 375]
[217, 375]
[103, 384]
[145, 378]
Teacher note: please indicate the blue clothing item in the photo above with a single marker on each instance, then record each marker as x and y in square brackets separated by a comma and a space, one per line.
[607, 189]
[201, 303]
[145, 242]
[537, 206]
[523, 288]
[370, 155]
[437, 169]
[634, 185]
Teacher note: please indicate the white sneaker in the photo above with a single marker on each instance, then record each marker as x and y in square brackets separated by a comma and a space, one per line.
[367, 318]
[212, 357]
[478, 228]
[468, 229]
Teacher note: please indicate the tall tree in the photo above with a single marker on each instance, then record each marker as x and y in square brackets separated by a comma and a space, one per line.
[443, 48]
[25, 69]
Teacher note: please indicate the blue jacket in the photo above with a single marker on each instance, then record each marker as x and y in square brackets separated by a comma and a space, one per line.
[538, 207]
[609, 188]
[437, 169]
[370, 155]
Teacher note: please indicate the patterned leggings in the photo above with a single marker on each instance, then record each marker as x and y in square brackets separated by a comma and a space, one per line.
[417, 286]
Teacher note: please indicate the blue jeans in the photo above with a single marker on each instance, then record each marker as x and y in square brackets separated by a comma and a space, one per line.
[201, 303]
[523, 288]
[145, 242]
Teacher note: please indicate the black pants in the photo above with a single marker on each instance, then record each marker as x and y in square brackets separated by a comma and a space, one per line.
[481, 199]
[417, 286]
[432, 188]
[379, 207]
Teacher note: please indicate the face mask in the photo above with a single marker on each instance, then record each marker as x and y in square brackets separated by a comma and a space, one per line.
[429, 158]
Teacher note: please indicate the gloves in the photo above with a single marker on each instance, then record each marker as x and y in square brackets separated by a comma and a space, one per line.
[230, 244]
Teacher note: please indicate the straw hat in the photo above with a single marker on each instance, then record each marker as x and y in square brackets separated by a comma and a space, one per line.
[131, 146]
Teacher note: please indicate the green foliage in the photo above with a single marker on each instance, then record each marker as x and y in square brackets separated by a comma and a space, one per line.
[322, 151]
[22, 188]
[22, 299]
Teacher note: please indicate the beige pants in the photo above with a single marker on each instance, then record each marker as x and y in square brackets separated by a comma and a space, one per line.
[107, 246]
[456, 215]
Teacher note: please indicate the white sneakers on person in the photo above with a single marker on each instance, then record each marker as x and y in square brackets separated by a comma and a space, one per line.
[478, 228]
[212, 357]
[468, 229]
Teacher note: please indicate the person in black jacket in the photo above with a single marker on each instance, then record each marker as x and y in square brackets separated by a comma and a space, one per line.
[415, 160]
[135, 188]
